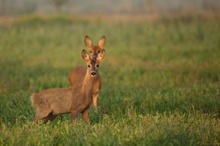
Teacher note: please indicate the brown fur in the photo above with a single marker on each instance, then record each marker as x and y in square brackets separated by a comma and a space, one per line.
[77, 75]
[75, 99]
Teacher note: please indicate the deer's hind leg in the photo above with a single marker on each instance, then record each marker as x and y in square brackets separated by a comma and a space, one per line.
[50, 117]
[43, 115]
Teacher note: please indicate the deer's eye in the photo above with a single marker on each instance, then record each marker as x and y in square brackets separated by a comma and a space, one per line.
[97, 65]
[98, 51]
[90, 51]
[88, 65]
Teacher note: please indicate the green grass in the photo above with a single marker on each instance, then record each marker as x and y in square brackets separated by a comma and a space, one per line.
[160, 81]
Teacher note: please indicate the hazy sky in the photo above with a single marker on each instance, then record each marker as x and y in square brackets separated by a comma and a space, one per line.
[106, 6]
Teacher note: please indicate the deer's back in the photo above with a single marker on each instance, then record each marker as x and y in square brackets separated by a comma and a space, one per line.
[60, 100]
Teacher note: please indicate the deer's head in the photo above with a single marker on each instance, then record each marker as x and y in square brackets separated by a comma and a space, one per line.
[93, 63]
[94, 50]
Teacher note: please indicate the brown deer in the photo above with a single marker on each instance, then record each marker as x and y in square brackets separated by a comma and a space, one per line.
[75, 99]
[77, 75]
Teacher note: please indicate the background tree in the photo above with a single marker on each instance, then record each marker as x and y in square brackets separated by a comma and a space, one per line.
[59, 3]
[3, 7]
[149, 7]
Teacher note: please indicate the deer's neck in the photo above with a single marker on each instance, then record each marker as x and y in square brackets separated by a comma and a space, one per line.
[87, 85]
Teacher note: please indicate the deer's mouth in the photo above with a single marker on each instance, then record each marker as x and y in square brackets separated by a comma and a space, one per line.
[93, 73]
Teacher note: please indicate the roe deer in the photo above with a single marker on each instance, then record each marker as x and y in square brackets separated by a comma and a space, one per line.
[75, 99]
[78, 74]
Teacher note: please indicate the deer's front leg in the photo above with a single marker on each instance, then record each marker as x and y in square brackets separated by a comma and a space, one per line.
[95, 93]
[73, 117]
[95, 97]
[85, 115]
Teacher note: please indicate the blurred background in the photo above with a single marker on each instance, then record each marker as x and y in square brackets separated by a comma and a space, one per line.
[160, 73]
[145, 7]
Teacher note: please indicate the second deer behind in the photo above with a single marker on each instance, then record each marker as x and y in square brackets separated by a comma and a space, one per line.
[78, 74]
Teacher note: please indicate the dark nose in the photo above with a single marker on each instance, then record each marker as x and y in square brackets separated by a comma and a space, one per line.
[93, 73]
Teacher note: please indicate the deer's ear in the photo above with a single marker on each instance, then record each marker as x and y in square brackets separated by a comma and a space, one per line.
[85, 55]
[101, 55]
[88, 42]
[102, 42]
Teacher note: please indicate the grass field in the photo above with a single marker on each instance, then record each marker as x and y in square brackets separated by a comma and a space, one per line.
[161, 81]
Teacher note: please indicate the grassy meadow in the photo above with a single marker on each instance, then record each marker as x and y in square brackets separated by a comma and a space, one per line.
[160, 80]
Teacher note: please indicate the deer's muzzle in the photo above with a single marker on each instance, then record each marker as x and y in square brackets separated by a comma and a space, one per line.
[93, 73]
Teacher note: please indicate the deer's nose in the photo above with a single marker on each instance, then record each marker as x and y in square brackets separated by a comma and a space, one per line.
[93, 73]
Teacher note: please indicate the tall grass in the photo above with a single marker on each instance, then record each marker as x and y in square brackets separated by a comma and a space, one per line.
[160, 81]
